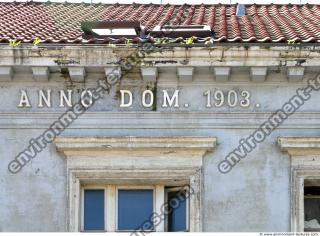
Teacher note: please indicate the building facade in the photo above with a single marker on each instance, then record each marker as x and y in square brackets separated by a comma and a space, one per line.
[159, 117]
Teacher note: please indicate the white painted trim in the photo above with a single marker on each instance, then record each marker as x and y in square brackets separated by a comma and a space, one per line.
[110, 208]
[159, 202]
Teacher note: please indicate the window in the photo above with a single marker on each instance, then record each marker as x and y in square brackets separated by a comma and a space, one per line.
[115, 32]
[182, 31]
[115, 29]
[311, 206]
[135, 208]
[147, 163]
[93, 209]
[178, 203]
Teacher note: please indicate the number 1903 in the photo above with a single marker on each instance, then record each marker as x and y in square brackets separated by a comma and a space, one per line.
[230, 98]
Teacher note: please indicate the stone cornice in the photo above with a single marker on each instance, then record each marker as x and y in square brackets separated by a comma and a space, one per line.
[300, 146]
[213, 56]
[195, 146]
[293, 63]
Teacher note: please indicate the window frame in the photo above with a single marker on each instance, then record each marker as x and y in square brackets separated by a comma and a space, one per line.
[160, 192]
[305, 164]
[78, 179]
[175, 189]
[310, 197]
[166, 160]
[299, 175]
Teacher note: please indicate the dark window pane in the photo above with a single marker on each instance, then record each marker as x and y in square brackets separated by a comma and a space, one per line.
[311, 190]
[93, 209]
[135, 208]
[312, 208]
[177, 218]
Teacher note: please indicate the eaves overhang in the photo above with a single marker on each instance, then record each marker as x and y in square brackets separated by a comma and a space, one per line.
[221, 61]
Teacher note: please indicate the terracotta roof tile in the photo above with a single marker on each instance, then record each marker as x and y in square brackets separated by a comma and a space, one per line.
[211, 17]
[167, 16]
[61, 22]
[201, 12]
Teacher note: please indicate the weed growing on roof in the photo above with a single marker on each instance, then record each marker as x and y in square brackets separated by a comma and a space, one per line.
[14, 42]
[36, 41]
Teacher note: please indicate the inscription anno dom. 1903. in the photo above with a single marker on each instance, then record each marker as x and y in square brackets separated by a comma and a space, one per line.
[211, 98]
